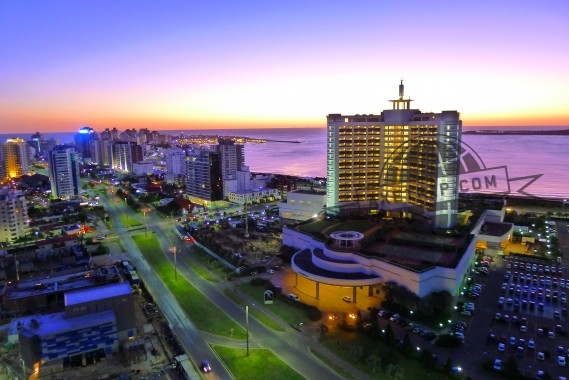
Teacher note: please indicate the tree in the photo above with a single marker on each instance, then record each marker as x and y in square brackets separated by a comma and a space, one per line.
[374, 362]
[394, 371]
[389, 335]
[407, 347]
[357, 351]
[448, 366]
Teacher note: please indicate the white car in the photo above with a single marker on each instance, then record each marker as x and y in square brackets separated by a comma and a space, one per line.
[501, 347]
[561, 361]
[540, 356]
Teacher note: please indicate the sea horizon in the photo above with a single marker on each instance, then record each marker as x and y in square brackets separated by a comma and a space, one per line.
[519, 155]
[173, 131]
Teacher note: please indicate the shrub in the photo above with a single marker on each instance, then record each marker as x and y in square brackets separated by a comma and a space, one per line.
[447, 340]
[258, 281]
[313, 313]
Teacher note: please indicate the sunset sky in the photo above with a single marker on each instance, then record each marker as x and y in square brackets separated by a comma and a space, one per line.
[243, 64]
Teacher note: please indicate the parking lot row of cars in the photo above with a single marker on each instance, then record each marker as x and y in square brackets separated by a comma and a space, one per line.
[532, 293]
[408, 325]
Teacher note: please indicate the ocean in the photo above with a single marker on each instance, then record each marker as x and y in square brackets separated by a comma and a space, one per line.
[522, 155]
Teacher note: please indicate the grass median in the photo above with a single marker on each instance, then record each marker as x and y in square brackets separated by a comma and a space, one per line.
[203, 313]
[260, 364]
[291, 313]
[128, 221]
[256, 313]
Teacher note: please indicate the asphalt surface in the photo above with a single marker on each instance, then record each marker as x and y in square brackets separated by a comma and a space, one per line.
[292, 346]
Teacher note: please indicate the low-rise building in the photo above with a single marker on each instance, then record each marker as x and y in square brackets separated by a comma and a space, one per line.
[94, 322]
[383, 250]
[301, 205]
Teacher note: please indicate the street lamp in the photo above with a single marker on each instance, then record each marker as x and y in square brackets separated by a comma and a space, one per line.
[174, 251]
[247, 323]
[246, 217]
[145, 225]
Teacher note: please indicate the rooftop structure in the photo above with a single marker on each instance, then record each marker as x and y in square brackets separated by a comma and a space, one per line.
[361, 254]
[402, 155]
[100, 292]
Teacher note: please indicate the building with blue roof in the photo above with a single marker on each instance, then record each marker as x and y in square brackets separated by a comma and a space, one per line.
[94, 323]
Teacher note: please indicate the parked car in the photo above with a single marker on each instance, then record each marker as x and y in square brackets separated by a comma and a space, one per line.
[498, 365]
[531, 344]
[293, 297]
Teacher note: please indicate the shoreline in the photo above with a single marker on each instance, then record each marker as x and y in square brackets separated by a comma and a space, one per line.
[550, 132]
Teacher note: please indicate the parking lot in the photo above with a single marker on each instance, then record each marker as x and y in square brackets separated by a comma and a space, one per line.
[529, 315]
[519, 302]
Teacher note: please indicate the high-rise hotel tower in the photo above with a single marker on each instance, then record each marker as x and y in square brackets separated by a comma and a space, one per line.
[402, 156]
[63, 164]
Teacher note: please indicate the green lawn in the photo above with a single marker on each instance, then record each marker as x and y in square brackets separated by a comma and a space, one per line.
[317, 227]
[257, 314]
[260, 364]
[345, 373]
[219, 270]
[127, 221]
[356, 348]
[284, 309]
[203, 313]
[200, 270]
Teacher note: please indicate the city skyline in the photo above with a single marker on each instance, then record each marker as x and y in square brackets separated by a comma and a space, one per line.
[224, 65]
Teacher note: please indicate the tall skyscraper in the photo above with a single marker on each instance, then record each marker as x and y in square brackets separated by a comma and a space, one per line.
[63, 165]
[402, 156]
[203, 176]
[36, 141]
[232, 157]
[14, 158]
[83, 143]
[102, 151]
[126, 153]
[175, 159]
[14, 221]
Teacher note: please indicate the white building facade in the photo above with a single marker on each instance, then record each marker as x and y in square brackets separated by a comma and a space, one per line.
[301, 205]
[14, 221]
[63, 166]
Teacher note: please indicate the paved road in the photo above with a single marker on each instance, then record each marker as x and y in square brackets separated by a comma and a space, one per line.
[189, 336]
[292, 346]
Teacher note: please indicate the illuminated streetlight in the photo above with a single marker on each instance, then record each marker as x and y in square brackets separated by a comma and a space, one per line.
[23, 367]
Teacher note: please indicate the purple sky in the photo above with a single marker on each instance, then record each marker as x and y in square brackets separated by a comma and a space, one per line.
[237, 64]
